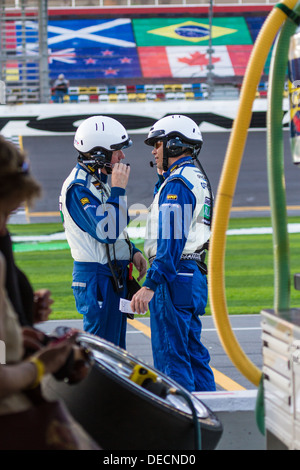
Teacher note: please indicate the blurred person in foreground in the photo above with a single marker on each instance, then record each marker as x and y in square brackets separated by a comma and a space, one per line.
[19, 374]
[31, 306]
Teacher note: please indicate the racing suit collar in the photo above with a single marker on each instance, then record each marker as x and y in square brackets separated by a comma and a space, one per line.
[179, 162]
[101, 175]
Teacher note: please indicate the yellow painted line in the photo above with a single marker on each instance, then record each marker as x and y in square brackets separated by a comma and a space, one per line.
[260, 208]
[221, 379]
[141, 327]
[43, 214]
[226, 382]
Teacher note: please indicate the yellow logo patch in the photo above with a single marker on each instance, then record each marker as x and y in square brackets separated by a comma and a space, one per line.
[172, 196]
[84, 200]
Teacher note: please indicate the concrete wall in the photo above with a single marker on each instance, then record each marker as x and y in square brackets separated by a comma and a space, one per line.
[63, 119]
[236, 411]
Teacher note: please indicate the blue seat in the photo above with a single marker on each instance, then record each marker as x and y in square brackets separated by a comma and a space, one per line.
[198, 96]
[139, 88]
[196, 87]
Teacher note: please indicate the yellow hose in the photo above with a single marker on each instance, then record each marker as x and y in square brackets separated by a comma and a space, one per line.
[224, 196]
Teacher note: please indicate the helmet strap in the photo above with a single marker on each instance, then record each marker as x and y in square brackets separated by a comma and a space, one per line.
[96, 162]
[165, 156]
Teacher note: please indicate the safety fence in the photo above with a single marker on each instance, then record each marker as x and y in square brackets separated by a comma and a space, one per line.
[139, 3]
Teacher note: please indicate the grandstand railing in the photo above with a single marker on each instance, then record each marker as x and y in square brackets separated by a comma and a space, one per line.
[140, 3]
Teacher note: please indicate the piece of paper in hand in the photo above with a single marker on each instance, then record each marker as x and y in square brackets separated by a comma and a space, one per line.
[124, 307]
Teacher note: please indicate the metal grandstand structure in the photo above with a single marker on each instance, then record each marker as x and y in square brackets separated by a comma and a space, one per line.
[24, 55]
[137, 3]
[25, 72]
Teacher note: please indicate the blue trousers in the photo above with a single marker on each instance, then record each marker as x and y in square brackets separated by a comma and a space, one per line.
[59, 96]
[176, 329]
[98, 302]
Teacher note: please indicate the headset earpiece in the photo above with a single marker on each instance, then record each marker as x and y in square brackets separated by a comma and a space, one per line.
[175, 147]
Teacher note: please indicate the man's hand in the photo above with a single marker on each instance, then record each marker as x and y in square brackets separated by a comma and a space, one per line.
[140, 263]
[141, 299]
[120, 175]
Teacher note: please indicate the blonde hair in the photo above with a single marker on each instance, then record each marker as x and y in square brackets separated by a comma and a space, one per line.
[16, 182]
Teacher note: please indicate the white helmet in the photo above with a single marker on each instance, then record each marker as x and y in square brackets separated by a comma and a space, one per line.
[178, 133]
[99, 136]
[101, 133]
[176, 125]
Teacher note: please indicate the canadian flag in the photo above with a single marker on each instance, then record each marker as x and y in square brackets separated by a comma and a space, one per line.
[193, 61]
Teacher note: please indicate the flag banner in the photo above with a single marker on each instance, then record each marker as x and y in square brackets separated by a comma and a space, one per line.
[184, 31]
[107, 48]
[154, 62]
[193, 61]
[90, 33]
[239, 56]
[254, 25]
[87, 48]
[100, 48]
[95, 62]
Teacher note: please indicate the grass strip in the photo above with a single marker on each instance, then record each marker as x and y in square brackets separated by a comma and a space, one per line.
[249, 267]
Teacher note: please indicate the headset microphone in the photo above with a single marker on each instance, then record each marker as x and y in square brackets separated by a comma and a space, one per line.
[152, 164]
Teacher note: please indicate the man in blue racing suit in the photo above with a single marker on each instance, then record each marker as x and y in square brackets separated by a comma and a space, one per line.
[95, 217]
[177, 234]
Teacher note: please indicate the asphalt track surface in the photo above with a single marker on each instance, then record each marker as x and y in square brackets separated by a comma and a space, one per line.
[246, 328]
[52, 158]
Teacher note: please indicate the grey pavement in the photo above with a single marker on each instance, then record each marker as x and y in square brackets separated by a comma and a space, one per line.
[245, 327]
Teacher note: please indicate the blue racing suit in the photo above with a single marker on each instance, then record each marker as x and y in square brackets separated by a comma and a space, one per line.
[179, 285]
[95, 218]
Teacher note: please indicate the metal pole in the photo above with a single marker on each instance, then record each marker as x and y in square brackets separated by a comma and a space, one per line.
[43, 44]
[210, 51]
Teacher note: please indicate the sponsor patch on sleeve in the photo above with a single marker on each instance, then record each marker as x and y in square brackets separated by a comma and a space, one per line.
[172, 197]
[84, 200]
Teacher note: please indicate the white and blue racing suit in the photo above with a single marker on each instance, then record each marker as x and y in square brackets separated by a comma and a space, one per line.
[95, 217]
[178, 226]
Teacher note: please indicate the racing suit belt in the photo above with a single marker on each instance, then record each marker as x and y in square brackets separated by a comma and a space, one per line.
[197, 256]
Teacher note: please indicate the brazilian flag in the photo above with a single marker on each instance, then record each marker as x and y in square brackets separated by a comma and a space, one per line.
[190, 31]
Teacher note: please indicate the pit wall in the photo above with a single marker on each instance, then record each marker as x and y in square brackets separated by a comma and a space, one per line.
[63, 119]
[236, 411]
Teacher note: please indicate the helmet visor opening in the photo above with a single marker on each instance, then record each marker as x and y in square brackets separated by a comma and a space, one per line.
[154, 136]
[122, 145]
